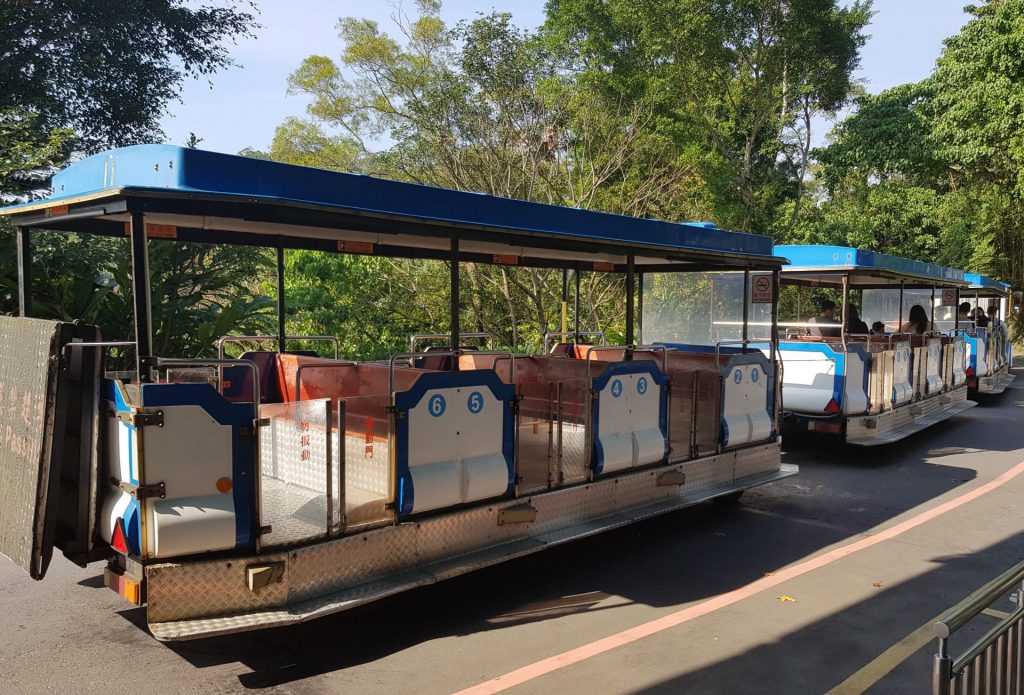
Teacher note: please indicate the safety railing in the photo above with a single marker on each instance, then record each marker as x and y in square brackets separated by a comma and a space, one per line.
[576, 335]
[409, 356]
[274, 339]
[425, 337]
[994, 664]
[629, 351]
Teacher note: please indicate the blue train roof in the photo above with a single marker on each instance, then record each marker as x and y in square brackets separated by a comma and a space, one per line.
[189, 174]
[864, 267]
[981, 282]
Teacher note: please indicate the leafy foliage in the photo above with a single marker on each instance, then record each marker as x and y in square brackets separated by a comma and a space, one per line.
[108, 69]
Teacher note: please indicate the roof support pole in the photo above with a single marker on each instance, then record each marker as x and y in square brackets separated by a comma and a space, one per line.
[956, 313]
[456, 300]
[776, 351]
[899, 324]
[280, 301]
[576, 307]
[640, 308]
[746, 305]
[845, 316]
[141, 297]
[565, 300]
[24, 239]
[630, 298]
[933, 308]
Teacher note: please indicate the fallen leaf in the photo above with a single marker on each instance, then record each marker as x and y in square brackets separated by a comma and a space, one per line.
[787, 599]
[876, 584]
[768, 574]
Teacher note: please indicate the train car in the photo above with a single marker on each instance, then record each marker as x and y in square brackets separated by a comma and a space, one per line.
[872, 386]
[989, 349]
[235, 494]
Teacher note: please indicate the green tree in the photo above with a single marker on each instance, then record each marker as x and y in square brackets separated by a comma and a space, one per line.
[736, 84]
[487, 107]
[932, 170]
[107, 70]
[83, 75]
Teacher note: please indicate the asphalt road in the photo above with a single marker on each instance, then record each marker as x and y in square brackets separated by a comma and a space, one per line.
[848, 619]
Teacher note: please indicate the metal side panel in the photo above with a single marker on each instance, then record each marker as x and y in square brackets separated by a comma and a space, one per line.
[995, 384]
[906, 420]
[195, 599]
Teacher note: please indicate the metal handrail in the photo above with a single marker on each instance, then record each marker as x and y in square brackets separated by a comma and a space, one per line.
[422, 337]
[720, 343]
[574, 334]
[978, 601]
[986, 640]
[443, 353]
[274, 339]
[946, 669]
[629, 350]
[102, 344]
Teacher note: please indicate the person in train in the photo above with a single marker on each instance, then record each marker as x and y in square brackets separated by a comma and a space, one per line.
[854, 324]
[980, 319]
[826, 315]
[877, 332]
[918, 323]
[964, 314]
[993, 314]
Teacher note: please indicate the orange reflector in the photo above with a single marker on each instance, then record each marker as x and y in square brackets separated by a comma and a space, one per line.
[131, 591]
[832, 407]
[970, 371]
[224, 485]
[355, 247]
[118, 540]
[604, 267]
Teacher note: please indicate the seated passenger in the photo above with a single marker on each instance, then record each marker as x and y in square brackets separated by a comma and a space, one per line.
[964, 315]
[826, 315]
[993, 314]
[854, 324]
[877, 332]
[980, 320]
[918, 323]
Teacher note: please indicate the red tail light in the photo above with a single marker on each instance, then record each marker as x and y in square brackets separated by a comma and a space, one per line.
[832, 408]
[118, 540]
[970, 371]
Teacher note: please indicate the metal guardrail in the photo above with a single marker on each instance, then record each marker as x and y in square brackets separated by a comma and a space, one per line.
[576, 335]
[274, 339]
[423, 337]
[994, 665]
[445, 353]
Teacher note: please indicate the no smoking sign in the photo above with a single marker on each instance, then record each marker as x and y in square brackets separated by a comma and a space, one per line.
[762, 290]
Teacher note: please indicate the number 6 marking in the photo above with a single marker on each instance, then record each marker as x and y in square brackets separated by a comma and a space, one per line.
[436, 405]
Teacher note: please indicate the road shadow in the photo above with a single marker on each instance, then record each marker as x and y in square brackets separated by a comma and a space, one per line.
[823, 654]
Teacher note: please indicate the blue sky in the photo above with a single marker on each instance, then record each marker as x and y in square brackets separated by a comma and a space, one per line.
[241, 107]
